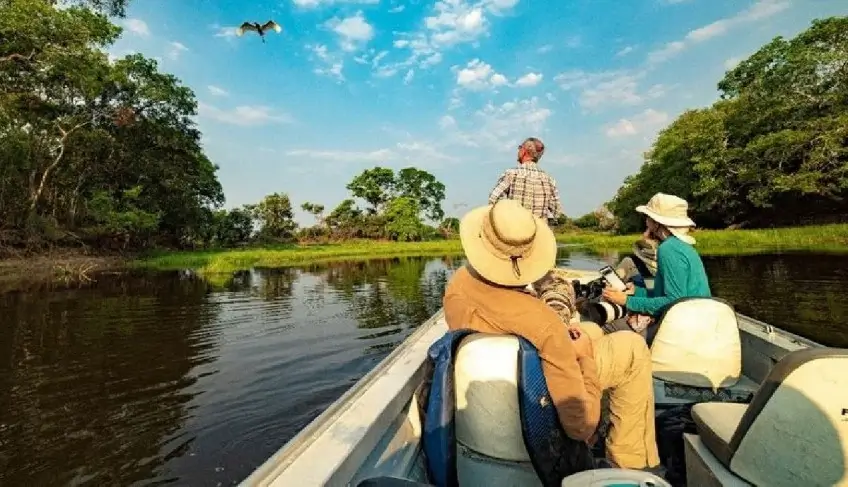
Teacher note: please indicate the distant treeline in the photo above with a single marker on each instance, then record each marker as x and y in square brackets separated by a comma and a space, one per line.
[772, 151]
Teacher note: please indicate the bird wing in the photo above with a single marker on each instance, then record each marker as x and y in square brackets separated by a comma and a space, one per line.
[272, 25]
[245, 27]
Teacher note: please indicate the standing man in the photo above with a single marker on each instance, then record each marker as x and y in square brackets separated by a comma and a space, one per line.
[529, 185]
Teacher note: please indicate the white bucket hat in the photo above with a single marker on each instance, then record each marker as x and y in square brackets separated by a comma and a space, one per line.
[506, 244]
[672, 212]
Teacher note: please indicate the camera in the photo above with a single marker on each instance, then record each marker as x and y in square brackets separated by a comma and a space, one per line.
[593, 306]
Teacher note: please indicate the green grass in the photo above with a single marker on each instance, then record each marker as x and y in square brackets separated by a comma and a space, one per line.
[826, 238]
[228, 260]
[820, 238]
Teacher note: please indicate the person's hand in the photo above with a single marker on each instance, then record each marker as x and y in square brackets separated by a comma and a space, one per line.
[582, 343]
[615, 297]
[631, 289]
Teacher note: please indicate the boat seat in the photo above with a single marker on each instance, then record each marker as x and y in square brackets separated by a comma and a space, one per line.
[614, 477]
[391, 482]
[489, 438]
[697, 354]
[794, 431]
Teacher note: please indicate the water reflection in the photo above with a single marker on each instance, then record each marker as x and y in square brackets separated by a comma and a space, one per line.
[99, 389]
[173, 378]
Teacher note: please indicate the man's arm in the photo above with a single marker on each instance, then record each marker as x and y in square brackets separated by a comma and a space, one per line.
[572, 382]
[501, 188]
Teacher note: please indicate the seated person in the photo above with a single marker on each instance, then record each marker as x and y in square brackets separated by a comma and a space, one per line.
[680, 271]
[507, 249]
[642, 263]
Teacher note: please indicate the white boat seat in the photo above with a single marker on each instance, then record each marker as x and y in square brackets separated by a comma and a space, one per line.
[794, 431]
[609, 477]
[697, 344]
[487, 420]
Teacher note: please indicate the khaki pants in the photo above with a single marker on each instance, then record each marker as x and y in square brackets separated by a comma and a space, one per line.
[624, 370]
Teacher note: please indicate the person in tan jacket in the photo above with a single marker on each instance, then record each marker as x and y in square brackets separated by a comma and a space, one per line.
[508, 248]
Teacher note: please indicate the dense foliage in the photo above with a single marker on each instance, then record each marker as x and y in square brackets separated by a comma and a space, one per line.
[106, 153]
[94, 151]
[772, 151]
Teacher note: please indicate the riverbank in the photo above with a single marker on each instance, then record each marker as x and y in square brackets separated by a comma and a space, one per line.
[69, 267]
[62, 267]
[819, 238]
[228, 260]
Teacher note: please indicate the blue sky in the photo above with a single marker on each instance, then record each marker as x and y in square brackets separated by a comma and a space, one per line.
[450, 86]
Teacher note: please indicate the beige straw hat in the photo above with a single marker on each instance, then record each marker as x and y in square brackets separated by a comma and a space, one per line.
[672, 212]
[506, 244]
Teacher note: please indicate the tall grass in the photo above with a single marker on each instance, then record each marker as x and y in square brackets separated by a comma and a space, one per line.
[826, 238]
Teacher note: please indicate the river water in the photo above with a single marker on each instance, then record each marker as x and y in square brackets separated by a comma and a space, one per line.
[169, 378]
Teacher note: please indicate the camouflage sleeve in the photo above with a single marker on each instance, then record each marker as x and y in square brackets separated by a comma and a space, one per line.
[501, 189]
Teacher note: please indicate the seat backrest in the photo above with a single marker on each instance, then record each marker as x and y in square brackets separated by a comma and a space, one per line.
[488, 419]
[795, 431]
[697, 344]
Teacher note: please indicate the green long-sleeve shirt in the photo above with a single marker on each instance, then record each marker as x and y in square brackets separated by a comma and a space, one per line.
[680, 274]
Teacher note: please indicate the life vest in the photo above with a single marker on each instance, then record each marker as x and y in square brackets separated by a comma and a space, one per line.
[553, 454]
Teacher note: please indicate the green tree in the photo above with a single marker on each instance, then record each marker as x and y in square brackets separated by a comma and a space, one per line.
[276, 217]
[422, 187]
[376, 186]
[402, 222]
[90, 149]
[773, 150]
[315, 209]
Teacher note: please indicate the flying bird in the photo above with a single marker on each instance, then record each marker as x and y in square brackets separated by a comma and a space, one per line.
[259, 29]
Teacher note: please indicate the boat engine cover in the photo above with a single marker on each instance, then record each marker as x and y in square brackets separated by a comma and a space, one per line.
[614, 477]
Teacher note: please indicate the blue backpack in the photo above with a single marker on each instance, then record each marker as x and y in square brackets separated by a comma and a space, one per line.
[553, 454]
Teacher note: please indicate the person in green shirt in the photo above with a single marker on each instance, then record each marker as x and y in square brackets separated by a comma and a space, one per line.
[680, 271]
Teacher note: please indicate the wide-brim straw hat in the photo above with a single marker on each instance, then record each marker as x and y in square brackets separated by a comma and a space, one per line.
[670, 211]
[506, 244]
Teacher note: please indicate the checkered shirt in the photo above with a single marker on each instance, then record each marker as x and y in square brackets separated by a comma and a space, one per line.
[531, 187]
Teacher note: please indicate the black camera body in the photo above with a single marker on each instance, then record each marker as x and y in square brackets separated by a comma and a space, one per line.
[594, 307]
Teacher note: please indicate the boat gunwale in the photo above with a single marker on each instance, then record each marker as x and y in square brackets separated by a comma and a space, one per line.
[292, 449]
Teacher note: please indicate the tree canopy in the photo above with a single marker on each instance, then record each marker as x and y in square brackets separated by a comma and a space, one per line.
[92, 149]
[774, 148]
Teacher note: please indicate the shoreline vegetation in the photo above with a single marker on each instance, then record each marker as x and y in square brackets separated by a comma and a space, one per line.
[74, 267]
[823, 238]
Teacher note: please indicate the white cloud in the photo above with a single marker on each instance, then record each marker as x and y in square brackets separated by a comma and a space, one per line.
[732, 63]
[380, 155]
[500, 127]
[545, 48]
[397, 9]
[137, 27]
[450, 23]
[625, 51]
[447, 122]
[324, 3]
[408, 77]
[243, 115]
[175, 49]
[332, 66]
[608, 88]
[353, 31]
[478, 75]
[228, 33]
[760, 10]
[402, 153]
[529, 79]
[646, 122]
[217, 91]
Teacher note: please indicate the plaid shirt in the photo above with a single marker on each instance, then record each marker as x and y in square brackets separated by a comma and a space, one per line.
[531, 187]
